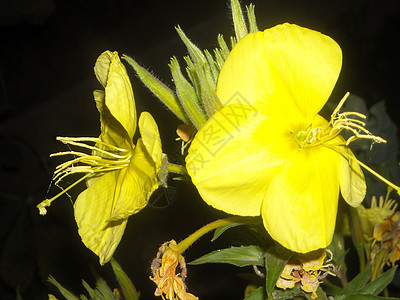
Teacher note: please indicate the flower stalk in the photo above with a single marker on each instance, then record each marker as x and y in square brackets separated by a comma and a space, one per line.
[183, 245]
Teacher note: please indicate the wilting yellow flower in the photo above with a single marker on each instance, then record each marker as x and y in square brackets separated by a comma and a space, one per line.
[386, 237]
[170, 285]
[307, 269]
[267, 151]
[120, 176]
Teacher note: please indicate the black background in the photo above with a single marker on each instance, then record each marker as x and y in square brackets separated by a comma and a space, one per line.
[47, 54]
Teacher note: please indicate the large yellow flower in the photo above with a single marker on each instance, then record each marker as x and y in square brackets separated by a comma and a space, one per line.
[120, 176]
[267, 151]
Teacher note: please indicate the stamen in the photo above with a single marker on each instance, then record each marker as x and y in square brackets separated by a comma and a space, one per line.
[74, 141]
[87, 164]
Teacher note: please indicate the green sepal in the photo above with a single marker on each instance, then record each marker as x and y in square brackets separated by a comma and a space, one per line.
[213, 66]
[275, 261]
[159, 89]
[195, 53]
[200, 70]
[224, 50]
[208, 90]
[251, 16]
[239, 22]
[127, 287]
[238, 256]
[187, 95]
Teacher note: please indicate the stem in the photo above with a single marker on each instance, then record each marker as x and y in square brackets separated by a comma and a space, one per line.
[183, 245]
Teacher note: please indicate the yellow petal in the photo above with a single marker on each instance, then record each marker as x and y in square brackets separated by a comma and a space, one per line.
[112, 131]
[151, 137]
[300, 206]
[92, 209]
[230, 164]
[352, 181]
[119, 98]
[287, 69]
[135, 184]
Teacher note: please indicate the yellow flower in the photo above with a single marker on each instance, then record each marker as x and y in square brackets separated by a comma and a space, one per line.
[170, 285]
[120, 176]
[267, 151]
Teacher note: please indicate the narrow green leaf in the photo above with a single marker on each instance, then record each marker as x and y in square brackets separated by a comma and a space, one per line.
[222, 229]
[127, 287]
[238, 256]
[91, 292]
[252, 18]
[160, 90]
[275, 260]
[187, 95]
[377, 286]
[238, 20]
[362, 297]
[286, 294]
[103, 290]
[257, 294]
[67, 294]
[358, 282]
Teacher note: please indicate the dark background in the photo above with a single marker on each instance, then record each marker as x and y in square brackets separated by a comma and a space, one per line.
[47, 53]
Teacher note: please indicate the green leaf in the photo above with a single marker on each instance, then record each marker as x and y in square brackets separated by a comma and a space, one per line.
[67, 294]
[257, 294]
[91, 292]
[377, 286]
[358, 282]
[103, 290]
[222, 229]
[275, 260]
[238, 256]
[286, 294]
[127, 287]
[361, 297]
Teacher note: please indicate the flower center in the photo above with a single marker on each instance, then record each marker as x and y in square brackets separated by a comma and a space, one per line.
[351, 121]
